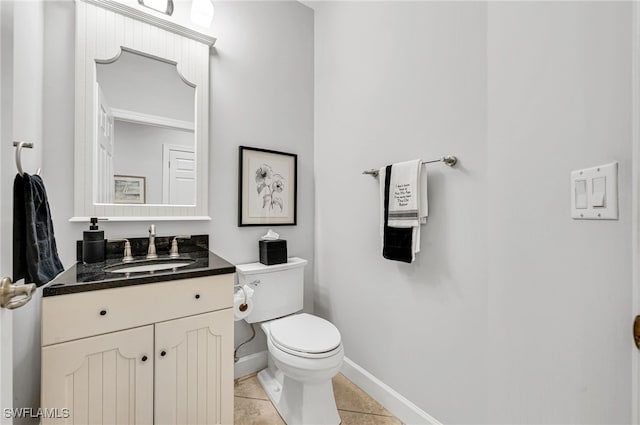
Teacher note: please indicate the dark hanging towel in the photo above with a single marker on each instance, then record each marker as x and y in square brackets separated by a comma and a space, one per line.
[396, 241]
[35, 256]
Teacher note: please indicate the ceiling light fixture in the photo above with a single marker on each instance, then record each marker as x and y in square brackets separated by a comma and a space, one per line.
[162, 6]
[202, 13]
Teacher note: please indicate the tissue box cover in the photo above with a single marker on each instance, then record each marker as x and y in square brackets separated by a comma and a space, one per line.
[273, 252]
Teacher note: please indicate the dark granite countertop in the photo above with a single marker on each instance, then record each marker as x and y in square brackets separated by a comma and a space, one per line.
[90, 277]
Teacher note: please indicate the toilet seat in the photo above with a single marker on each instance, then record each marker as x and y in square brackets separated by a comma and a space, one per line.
[305, 335]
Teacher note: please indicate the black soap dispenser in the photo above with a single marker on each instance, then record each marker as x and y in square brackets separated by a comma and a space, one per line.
[93, 243]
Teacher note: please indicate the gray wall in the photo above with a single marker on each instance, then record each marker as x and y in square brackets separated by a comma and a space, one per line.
[559, 290]
[396, 82]
[513, 312]
[6, 193]
[261, 95]
[27, 122]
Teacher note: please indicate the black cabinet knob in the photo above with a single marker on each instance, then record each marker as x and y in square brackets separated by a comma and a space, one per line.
[163, 353]
[197, 296]
[103, 312]
[144, 358]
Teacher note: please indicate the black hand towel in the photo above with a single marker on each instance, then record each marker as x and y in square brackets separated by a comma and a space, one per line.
[35, 255]
[396, 241]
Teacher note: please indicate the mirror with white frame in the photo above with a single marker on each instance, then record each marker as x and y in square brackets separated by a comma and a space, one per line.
[141, 142]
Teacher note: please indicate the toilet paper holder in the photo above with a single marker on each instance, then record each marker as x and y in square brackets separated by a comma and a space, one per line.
[243, 307]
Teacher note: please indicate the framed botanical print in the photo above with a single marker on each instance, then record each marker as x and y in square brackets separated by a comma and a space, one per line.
[267, 187]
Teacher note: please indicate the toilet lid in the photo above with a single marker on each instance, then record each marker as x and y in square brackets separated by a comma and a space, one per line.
[305, 333]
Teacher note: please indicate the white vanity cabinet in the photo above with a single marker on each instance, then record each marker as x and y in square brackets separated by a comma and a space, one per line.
[157, 353]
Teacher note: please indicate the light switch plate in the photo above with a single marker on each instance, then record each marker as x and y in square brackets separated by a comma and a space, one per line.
[601, 193]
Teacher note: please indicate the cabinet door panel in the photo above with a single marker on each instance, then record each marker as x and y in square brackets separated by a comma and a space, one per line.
[194, 379]
[102, 379]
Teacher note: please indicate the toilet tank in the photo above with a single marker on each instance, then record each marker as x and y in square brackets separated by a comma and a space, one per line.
[278, 289]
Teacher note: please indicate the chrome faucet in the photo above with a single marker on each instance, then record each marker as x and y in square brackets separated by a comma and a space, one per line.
[174, 246]
[151, 254]
[127, 257]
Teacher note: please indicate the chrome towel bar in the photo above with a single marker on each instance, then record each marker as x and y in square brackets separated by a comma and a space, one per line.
[448, 160]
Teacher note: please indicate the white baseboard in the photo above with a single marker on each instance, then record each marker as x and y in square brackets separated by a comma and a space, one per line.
[250, 364]
[395, 403]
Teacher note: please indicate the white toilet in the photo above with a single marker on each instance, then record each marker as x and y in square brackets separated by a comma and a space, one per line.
[305, 351]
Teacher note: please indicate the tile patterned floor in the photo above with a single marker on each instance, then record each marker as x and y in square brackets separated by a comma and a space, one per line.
[252, 405]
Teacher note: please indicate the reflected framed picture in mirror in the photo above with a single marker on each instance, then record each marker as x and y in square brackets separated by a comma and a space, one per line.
[129, 189]
[267, 189]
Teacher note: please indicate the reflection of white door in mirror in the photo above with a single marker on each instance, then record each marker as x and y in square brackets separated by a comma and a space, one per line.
[167, 100]
[178, 175]
[105, 147]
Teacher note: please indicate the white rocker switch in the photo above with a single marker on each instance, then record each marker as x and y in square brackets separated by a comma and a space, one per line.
[581, 194]
[599, 192]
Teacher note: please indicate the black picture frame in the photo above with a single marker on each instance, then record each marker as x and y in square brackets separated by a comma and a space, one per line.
[267, 187]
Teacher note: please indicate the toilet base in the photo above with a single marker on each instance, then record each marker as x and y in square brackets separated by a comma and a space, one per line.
[298, 403]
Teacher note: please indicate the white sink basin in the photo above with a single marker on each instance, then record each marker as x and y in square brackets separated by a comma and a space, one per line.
[149, 266]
